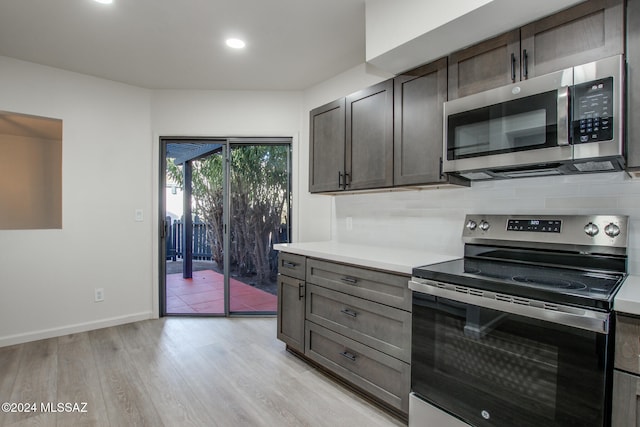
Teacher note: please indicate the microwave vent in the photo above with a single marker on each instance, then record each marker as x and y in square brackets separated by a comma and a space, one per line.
[595, 166]
[527, 173]
[473, 176]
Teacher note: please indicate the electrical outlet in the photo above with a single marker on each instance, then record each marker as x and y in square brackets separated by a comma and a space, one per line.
[139, 215]
[99, 295]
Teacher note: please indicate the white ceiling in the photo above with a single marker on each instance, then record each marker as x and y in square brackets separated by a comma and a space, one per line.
[179, 44]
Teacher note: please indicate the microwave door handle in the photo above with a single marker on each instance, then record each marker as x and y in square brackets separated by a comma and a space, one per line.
[563, 116]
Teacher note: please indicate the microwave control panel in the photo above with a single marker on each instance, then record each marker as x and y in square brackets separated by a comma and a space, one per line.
[593, 111]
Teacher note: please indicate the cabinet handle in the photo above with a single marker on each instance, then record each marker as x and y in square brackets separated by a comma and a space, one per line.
[349, 312]
[348, 355]
[339, 179]
[347, 180]
[300, 291]
[350, 280]
[441, 169]
[525, 63]
[513, 67]
[289, 264]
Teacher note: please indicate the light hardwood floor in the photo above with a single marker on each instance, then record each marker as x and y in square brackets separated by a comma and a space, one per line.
[176, 372]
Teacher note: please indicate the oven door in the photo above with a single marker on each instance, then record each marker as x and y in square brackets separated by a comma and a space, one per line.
[494, 368]
[521, 124]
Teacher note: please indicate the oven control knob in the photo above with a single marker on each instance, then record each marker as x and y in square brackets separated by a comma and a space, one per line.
[612, 230]
[591, 229]
[471, 225]
[484, 225]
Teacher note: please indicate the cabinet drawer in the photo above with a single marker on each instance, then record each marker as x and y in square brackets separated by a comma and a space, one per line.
[627, 352]
[379, 326]
[292, 265]
[384, 288]
[382, 376]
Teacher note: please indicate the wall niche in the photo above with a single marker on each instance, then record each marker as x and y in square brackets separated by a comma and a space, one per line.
[30, 172]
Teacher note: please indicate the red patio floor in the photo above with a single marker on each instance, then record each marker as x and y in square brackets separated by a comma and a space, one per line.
[204, 294]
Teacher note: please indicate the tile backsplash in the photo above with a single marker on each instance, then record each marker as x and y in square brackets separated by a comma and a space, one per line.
[432, 219]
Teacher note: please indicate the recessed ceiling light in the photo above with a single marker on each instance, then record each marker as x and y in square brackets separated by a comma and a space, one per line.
[104, 1]
[235, 43]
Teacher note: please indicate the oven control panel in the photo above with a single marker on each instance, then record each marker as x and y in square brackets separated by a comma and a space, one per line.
[587, 230]
[537, 225]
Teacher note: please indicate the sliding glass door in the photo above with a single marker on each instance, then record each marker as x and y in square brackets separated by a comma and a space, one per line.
[224, 203]
[259, 217]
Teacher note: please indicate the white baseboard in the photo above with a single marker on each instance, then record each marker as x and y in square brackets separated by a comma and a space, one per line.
[74, 329]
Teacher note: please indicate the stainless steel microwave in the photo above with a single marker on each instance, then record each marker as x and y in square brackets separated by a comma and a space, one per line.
[565, 122]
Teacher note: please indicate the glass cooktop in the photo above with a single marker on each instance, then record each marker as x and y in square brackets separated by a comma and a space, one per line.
[551, 284]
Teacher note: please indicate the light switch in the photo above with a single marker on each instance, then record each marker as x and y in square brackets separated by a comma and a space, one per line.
[139, 215]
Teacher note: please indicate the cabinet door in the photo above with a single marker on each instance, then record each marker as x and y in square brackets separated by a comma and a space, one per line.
[291, 303]
[418, 98]
[584, 33]
[326, 146]
[626, 395]
[633, 84]
[627, 351]
[369, 137]
[487, 65]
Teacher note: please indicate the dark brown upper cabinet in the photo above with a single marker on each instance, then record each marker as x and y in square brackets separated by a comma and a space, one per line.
[487, 65]
[419, 95]
[351, 142]
[589, 31]
[633, 86]
[369, 138]
[327, 147]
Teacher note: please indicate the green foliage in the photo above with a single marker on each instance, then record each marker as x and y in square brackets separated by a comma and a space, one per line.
[258, 182]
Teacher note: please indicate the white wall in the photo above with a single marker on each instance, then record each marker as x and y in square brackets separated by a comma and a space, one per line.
[48, 277]
[403, 34]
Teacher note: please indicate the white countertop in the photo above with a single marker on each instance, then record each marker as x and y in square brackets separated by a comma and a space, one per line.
[381, 258]
[402, 261]
[627, 299]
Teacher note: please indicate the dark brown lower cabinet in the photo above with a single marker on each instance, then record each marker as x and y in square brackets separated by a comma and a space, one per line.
[356, 325]
[626, 377]
[291, 300]
[626, 400]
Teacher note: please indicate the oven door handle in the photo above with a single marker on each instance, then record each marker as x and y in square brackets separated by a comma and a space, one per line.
[564, 315]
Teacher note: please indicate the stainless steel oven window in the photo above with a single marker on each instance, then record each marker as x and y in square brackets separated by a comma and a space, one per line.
[491, 368]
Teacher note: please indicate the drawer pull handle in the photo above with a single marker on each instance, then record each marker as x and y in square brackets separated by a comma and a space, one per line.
[348, 355]
[300, 291]
[349, 280]
[349, 312]
[289, 264]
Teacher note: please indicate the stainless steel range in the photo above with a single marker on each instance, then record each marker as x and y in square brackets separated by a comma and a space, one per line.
[519, 332]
